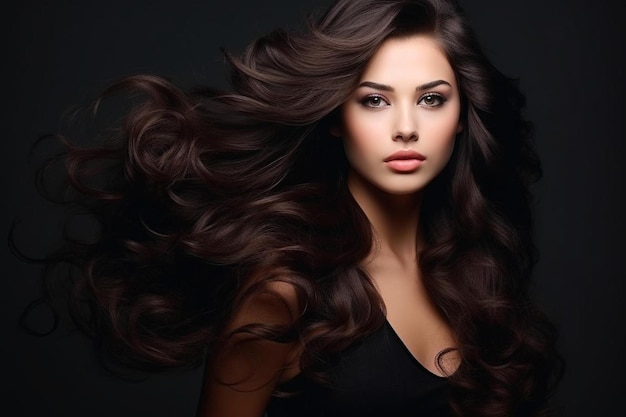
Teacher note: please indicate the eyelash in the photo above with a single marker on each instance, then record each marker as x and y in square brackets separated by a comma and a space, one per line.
[436, 96]
[367, 100]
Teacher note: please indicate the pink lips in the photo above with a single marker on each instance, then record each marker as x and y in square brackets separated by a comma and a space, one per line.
[404, 160]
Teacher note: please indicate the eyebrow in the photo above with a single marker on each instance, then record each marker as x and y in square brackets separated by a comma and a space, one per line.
[384, 87]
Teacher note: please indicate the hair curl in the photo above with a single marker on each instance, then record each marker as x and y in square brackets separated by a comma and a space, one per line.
[204, 197]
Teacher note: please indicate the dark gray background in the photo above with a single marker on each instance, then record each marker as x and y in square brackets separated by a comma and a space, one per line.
[568, 54]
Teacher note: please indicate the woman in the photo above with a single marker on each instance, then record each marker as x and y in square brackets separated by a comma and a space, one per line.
[346, 232]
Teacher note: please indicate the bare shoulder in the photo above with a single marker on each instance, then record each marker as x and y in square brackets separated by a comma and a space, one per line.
[242, 374]
[274, 303]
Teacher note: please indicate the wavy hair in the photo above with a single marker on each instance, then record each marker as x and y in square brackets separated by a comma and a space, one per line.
[203, 198]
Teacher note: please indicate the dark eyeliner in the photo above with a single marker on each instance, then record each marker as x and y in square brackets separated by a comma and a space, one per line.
[442, 99]
[366, 101]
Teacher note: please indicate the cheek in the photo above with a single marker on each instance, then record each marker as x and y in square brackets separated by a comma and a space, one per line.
[442, 129]
[438, 139]
[447, 143]
[450, 148]
[356, 147]
[359, 133]
[448, 136]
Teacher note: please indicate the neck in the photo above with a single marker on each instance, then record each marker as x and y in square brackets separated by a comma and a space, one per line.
[394, 219]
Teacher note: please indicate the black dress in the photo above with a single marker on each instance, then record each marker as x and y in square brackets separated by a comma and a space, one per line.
[377, 377]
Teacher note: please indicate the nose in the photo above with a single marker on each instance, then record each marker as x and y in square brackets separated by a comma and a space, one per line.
[405, 128]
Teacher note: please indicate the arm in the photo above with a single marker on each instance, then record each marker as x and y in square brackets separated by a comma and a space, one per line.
[252, 369]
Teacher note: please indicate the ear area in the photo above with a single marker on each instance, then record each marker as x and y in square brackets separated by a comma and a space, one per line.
[459, 128]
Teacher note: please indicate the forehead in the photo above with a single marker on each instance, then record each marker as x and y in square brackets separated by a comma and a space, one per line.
[416, 58]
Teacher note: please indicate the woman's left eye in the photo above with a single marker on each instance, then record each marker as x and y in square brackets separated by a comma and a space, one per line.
[432, 100]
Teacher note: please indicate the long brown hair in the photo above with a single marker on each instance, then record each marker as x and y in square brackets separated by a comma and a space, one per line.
[204, 197]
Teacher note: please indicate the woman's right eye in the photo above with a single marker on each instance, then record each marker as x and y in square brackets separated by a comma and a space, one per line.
[374, 101]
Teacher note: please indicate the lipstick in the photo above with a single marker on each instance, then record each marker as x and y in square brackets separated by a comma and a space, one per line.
[404, 160]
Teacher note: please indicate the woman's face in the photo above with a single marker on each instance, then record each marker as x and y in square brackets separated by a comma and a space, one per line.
[400, 124]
